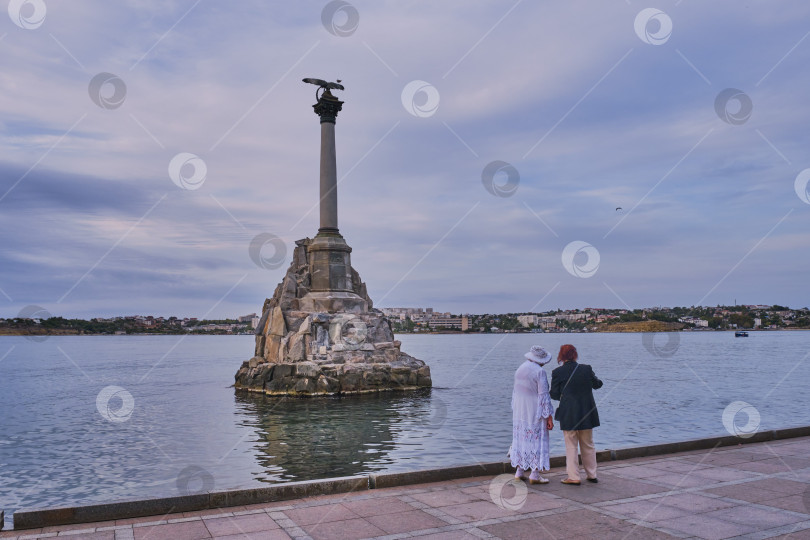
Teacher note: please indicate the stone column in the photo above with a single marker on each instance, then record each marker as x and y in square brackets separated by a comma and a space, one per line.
[327, 108]
[329, 221]
[329, 257]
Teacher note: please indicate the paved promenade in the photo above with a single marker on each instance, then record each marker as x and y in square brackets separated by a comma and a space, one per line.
[752, 491]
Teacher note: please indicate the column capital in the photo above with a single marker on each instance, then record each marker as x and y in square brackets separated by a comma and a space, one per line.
[328, 107]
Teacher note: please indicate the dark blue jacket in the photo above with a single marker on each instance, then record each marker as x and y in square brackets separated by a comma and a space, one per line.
[577, 408]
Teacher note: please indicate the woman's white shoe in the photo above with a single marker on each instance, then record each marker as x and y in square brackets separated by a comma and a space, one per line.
[535, 478]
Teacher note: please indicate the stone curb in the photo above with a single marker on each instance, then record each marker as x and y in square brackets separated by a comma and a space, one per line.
[701, 444]
[388, 480]
[34, 518]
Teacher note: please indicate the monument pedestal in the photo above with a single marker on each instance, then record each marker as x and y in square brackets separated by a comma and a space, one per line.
[331, 290]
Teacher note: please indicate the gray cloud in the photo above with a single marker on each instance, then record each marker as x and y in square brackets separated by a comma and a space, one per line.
[224, 84]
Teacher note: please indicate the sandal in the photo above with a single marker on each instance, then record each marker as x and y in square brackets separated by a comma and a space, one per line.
[570, 482]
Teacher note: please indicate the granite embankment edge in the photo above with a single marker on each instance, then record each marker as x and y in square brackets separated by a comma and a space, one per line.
[34, 518]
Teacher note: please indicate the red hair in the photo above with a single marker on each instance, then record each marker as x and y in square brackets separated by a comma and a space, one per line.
[568, 353]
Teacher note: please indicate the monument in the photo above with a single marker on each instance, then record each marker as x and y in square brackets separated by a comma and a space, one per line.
[319, 334]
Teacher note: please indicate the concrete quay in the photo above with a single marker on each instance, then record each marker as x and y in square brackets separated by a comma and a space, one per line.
[755, 490]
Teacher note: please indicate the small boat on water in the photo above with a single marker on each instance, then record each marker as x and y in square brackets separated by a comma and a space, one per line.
[740, 334]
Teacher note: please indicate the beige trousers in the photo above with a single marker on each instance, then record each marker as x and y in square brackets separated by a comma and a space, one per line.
[585, 439]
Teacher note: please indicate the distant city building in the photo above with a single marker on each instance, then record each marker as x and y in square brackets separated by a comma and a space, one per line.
[573, 316]
[401, 313]
[424, 317]
[253, 319]
[527, 320]
[547, 322]
[225, 327]
[694, 320]
[550, 321]
[445, 322]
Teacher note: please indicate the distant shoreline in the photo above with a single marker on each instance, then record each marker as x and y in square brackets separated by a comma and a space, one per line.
[598, 332]
[61, 334]
[5, 332]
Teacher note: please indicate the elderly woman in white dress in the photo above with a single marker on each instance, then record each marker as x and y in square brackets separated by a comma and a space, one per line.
[532, 417]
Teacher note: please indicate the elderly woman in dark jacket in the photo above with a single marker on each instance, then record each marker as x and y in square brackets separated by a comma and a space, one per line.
[572, 385]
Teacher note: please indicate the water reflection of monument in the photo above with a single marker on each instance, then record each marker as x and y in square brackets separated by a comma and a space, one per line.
[319, 334]
[309, 439]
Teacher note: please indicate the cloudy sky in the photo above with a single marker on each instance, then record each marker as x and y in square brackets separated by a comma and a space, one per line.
[493, 156]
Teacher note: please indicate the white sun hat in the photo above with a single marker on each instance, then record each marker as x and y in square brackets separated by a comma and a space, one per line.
[538, 354]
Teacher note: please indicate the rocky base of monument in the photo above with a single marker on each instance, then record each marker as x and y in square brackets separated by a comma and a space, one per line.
[304, 348]
[324, 376]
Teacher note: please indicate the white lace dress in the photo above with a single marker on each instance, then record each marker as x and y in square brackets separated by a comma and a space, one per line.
[531, 405]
